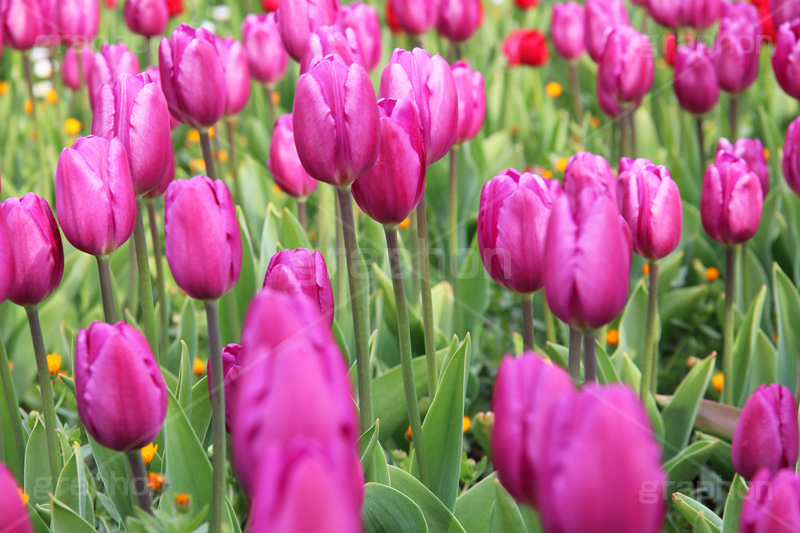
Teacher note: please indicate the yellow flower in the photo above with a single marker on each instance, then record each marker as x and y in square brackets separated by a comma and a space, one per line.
[561, 164]
[199, 367]
[467, 424]
[72, 126]
[646, 269]
[766, 152]
[718, 381]
[11, 366]
[197, 164]
[612, 337]
[53, 363]
[211, 132]
[52, 97]
[553, 89]
[276, 97]
[23, 497]
[276, 190]
[193, 136]
[148, 453]
[547, 173]
[712, 274]
[28, 107]
[594, 122]
[405, 224]
[408, 433]
[222, 155]
[155, 481]
[3, 88]
[182, 502]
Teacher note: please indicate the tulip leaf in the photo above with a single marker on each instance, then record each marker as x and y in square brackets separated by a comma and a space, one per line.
[632, 323]
[37, 522]
[291, 234]
[655, 417]
[201, 408]
[65, 520]
[473, 291]
[185, 376]
[787, 307]
[606, 371]
[474, 507]
[691, 509]
[387, 510]
[381, 466]
[733, 505]
[37, 467]
[269, 240]
[72, 489]
[505, 515]
[442, 295]
[187, 333]
[113, 469]
[679, 416]
[764, 366]
[630, 373]
[717, 419]
[681, 302]
[438, 517]
[366, 443]
[12, 439]
[744, 347]
[558, 354]
[685, 466]
[701, 524]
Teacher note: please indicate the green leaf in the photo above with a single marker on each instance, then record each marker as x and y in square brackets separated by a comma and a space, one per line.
[764, 366]
[690, 509]
[72, 489]
[438, 517]
[717, 419]
[733, 505]
[201, 408]
[113, 469]
[291, 234]
[744, 347]
[681, 302]
[505, 516]
[680, 414]
[701, 524]
[685, 466]
[381, 466]
[474, 507]
[12, 439]
[630, 373]
[366, 443]
[65, 520]
[185, 377]
[473, 287]
[632, 322]
[787, 308]
[387, 510]
[37, 466]
[606, 371]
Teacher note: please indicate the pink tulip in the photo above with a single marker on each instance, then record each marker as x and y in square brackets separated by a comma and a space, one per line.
[363, 19]
[300, 18]
[284, 163]
[471, 101]
[265, 52]
[237, 74]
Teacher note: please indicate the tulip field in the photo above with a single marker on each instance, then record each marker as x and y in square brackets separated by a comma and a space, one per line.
[400, 266]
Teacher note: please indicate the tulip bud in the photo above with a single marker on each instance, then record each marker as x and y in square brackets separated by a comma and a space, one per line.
[457, 20]
[300, 18]
[36, 246]
[232, 368]
[695, 80]
[650, 202]
[700, 14]
[625, 69]
[331, 40]
[78, 20]
[95, 202]
[237, 73]
[284, 163]
[301, 273]
[265, 52]
[270, 5]
[363, 19]
[533, 49]
[155, 75]
[752, 151]
[471, 92]
[344, 146]
[767, 434]
[146, 17]
[23, 23]
[428, 82]
[121, 395]
[587, 260]
[6, 260]
[608, 428]
[71, 68]
[586, 170]
[785, 60]
[667, 13]
[512, 226]
[601, 16]
[414, 17]
[135, 111]
[736, 54]
[791, 156]
[169, 176]
[13, 513]
[511, 47]
[189, 61]
[772, 503]
[731, 201]
[111, 62]
[203, 243]
[566, 30]
[783, 11]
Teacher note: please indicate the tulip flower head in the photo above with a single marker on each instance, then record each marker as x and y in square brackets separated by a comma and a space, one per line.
[342, 42]
[785, 59]
[700, 14]
[601, 16]
[791, 156]
[302, 273]
[772, 503]
[457, 20]
[783, 11]
[232, 367]
[586, 170]
[471, 92]
[237, 73]
[77, 20]
[414, 17]
[13, 512]
[266, 55]
[625, 69]
[736, 54]
[363, 20]
[752, 151]
[146, 17]
[695, 81]
[6, 260]
[300, 18]
[71, 67]
[284, 163]
[111, 62]
[731, 201]
[23, 22]
[567, 30]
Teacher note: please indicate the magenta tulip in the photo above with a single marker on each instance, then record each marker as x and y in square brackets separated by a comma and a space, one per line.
[284, 163]
[783, 11]
[752, 151]
[699, 14]
[342, 42]
[23, 23]
[363, 19]
[237, 73]
[232, 368]
[390, 191]
[555, 188]
[111, 62]
[415, 17]
[13, 513]
[567, 30]
[791, 156]
[146, 17]
[695, 80]
[35, 242]
[586, 170]
[736, 52]
[71, 67]
[341, 146]
[625, 69]
[471, 92]
[265, 52]
[731, 201]
[78, 20]
[457, 20]
[302, 273]
[786, 59]
[169, 177]
[121, 395]
[6, 261]
[300, 18]
[155, 75]
[429, 82]
[601, 16]
[772, 504]
[666, 12]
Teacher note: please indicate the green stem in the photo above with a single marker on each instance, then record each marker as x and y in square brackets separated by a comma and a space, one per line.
[107, 290]
[453, 191]
[145, 285]
[574, 364]
[366, 416]
[549, 323]
[46, 176]
[208, 156]
[576, 91]
[589, 357]
[160, 278]
[623, 133]
[301, 213]
[404, 334]
[133, 279]
[230, 127]
[427, 298]
[341, 262]
[139, 478]
[733, 115]
[12, 404]
[632, 131]
[727, 347]
[527, 321]
[700, 142]
[46, 389]
[413, 230]
[273, 110]
[650, 353]
[217, 415]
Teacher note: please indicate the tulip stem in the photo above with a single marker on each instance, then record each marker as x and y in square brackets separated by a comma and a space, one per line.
[139, 478]
[427, 297]
[273, 110]
[414, 249]
[208, 156]
[301, 213]
[622, 120]
[574, 364]
[133, 279]
[650, 353]
[727, 348]
[527, 321]
[217, 415]
[230, 128]
[453, 190]
[589, 357]
[549, 323]
[46, 177]
[576, 90]
[404, 335]
[12, 404]
[46, 389]
[733, 115]
[107, 290]
[353, 266]
[700, 142]
[160, 279]
[632, 131]
[145, 285]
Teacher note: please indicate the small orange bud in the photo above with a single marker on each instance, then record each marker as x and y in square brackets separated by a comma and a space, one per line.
[467, 424]
[547, 174]
[712, 274]
[52, 97]
[211, 132]
[766, 154]
[646, 269]
[199, 367]
[28, 107]
[53, 363]
[155, 481]
[149, 453]
[408, 433]
[553, 89]
[561, 164]
[276, 97]
[182, 502]
[11, 366]
[222, 155]
[3, 88]
[594, 122]
[612, 337]
[193, 136]
[23, 497]
[72, 126]
[405, 224]
[718, 381]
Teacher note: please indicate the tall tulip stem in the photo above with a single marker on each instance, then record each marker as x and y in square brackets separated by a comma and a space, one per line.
[230, 127]
[46, 389]
[427, 297]
[576, 90]
[46, 176]
[733, 115]
[527, 321]
[574, 364]
[12, 404]
[589, 357]
[453, 193]
[160, 278]
[622, 120]
[208, 155]
[404, 334]
[273, 108]
[139, 478]
[353, 261]
[727, 348]
[414, 249]
[217, 415]
[650, 354]
[107, 290]
[145, 284]
[700, 142]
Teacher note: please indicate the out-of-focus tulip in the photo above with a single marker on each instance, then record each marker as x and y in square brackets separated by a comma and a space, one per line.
[121, 395]
[344, 145]
[265, 52]
[784, 11]
[50, 35]
[586, 170]
[331, 40]
[667, 13]
[650, 202]
[526, 4]
[512, 228]
[284, 163]
[13, 513]
[731, 201]
[415, 17]
[587, 260]
[791, 156]
[70, 67]
[300, 18]
[566, 30]
[471, 91]
[740, 10]
[606, 427]
[232, 367]
[526, 394]
[135, 111]
[169, 176]
[695, 80]
[767, 434]
[237, 73]
[111, 62]
[772, 504]
[78, 20]
[625, 69]
[363, 19]
[146, 17]
[533, 50]
[511, 47]
[554, 187]
[95, 202]
[35, 241]
[768, 32]
[752, 151]
[6, 260]
[736, 53]
[427, 81]
[601, 16]
[786, 59]
[302, 273]
[270, 5]
[457, 20]
[23, 23]
[193, 76]
[155, 75]
[390, 191]
[203, 243]
[700, 14]
[175, 7]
